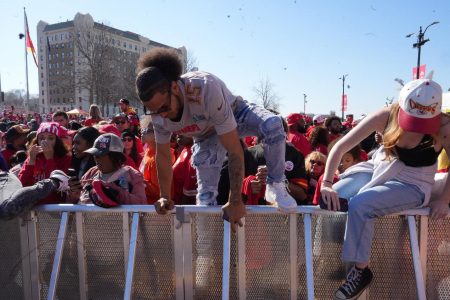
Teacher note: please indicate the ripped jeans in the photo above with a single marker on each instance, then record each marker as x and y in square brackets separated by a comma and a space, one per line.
[208, 155]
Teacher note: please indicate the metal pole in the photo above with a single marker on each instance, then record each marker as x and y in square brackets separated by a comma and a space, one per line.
[343, 93]
[26, 60]
[304, 104]
[419, 45]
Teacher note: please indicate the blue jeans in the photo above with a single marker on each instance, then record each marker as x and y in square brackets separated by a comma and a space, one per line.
[391, 197]
[208, 155]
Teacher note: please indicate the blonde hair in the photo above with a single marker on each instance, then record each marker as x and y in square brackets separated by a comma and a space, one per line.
[94, 112]
[392, 133]
[315, 155]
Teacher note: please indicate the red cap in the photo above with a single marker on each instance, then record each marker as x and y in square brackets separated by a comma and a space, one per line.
[293, 118]
[109, 128]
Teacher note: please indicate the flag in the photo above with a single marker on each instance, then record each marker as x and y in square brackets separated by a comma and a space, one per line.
[422, 70]
[344, 103]
[28, 41]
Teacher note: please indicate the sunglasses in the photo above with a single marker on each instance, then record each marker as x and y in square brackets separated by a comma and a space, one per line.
[120, 122]
[164, 108]
[317, 162]
[127, 139]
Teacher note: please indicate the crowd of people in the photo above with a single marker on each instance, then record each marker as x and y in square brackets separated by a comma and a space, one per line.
[197, 143]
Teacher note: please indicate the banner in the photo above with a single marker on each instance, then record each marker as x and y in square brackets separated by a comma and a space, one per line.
[421, 72]
[344, 103]
[28, 41]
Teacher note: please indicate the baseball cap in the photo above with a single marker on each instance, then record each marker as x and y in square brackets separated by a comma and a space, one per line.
[106, 143]
[15, 131]
[109, 128]
[319, 119]
[102, 196]
[293, 118]
[420, 103]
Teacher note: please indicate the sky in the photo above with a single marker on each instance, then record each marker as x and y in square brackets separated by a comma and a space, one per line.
[300, 47]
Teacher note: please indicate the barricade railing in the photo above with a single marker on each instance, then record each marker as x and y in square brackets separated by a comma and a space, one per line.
[129, 252]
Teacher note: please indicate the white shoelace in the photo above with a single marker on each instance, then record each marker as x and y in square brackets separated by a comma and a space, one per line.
[353, 279]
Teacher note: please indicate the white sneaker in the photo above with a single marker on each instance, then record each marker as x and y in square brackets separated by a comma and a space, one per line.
[63, 180]
[277, 195]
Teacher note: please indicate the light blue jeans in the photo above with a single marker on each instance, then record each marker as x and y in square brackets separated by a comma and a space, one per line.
[208, 155]
[391, 197]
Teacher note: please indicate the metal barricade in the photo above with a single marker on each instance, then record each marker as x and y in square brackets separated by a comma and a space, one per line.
[130, 252]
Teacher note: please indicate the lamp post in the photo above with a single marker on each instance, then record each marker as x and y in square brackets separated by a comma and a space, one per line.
[343, 94]
[304, 103]
[420, 42]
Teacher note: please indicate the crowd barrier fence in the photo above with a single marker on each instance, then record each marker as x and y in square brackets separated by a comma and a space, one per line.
[130, 252]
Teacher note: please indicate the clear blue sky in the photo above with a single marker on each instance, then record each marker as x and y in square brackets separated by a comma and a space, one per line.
[300, 46]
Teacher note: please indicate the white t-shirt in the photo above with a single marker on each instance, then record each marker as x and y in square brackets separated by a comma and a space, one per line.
[207, 109]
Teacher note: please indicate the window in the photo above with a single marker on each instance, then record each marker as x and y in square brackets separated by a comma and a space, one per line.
[42, 92]
[42, 100]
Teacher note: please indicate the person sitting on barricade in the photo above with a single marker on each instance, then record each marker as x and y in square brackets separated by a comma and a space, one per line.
[110, 183]
[400, 175]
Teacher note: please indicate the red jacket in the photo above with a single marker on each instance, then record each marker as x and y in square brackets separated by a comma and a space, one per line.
[30, 174]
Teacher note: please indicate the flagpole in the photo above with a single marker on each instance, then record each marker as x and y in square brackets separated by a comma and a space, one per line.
[26, 61]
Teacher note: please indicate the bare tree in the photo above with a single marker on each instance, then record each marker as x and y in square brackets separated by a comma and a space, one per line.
[191, 61]
[97, 60]
[265, 94]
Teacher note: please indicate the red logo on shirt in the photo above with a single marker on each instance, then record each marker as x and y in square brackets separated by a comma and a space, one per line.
[189, 128]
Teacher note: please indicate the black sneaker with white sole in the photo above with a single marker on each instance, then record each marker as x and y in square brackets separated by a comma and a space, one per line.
[357, 281]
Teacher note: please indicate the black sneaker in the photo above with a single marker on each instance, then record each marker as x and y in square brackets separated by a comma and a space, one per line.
[357, 281]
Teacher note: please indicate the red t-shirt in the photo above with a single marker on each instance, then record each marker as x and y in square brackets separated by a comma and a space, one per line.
[300, 142]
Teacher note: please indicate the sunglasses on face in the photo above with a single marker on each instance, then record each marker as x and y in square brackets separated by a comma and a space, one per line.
[120, 122]
[317, 162]
[162, 109]
[127, 139]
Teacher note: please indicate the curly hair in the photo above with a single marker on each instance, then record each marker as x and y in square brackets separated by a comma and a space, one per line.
[167, 60]
[156, 70]
[319, 136]
[329, 120]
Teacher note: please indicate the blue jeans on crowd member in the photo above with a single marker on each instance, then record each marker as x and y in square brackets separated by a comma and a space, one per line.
[208, 155]
[391, 197]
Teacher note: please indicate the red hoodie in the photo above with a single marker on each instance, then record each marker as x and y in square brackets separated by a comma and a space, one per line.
[30, 174]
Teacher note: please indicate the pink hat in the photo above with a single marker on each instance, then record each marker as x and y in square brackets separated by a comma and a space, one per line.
[50, 127]
[420, 106]
[293, 118]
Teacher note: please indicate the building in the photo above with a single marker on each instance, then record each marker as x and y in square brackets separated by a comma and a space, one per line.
[83, 62]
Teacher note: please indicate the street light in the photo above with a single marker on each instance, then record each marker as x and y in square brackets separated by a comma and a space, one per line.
[304, 103]
[343, 93]
[420, 42]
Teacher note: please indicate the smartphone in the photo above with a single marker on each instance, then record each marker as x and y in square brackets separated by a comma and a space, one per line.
[342, 201]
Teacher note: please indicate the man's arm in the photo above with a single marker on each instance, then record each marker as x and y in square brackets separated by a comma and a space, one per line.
[164, 168]
[233, 146]
[234, 210]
